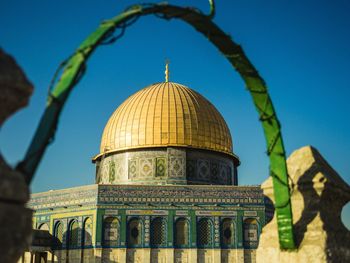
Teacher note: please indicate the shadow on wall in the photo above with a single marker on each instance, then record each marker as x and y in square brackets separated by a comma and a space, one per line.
[324, 194]
[66, 246]
[269, 209]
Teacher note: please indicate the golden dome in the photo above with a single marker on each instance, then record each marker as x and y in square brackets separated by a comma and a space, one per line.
[166, 114]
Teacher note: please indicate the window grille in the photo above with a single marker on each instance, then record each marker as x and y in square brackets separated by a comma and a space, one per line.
[110, 231]
[250, 227]
[158, 232]
[204, 233]
[227, 232]
[181, 232]
[134, 233]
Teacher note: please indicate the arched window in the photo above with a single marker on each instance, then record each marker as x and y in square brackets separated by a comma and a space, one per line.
[73, 231]
[181, 232]
[250, 228]
[205, 233]
[227, 233]
[158, 232]
[110, 231]
[58, 234]
[44, 226]
[87, 232]
[134, 233]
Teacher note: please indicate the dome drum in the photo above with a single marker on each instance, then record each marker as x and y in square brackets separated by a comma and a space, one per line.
[166, 166]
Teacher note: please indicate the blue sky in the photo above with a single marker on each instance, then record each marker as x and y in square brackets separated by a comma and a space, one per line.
[301, 48]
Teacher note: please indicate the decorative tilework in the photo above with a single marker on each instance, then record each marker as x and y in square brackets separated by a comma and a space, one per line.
[216, 213]
[146, 167]
[171, 164]
[119, 168]
[111, 171]
[214, 172]
[250, 213]
[133, 168]
[191, 169]
[229, 176]
[223, 173]
[203, 170]
[113, 194]
[105, 171]
[147, 212]
[161, 167]
[181, 213]
[176, 167]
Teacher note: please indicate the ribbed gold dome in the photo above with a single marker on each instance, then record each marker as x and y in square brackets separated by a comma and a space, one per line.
[166, 114]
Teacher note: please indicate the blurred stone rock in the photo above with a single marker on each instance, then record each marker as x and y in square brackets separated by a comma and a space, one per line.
[12, 184]
[15, 218]
[318, 196]
[15, 87]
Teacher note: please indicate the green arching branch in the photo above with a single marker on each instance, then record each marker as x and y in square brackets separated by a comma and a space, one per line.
[74, 69]
[212, 9]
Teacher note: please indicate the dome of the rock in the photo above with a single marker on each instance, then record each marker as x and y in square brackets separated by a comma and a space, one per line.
[165, 190]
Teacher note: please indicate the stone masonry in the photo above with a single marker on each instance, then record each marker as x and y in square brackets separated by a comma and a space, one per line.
[318, 196]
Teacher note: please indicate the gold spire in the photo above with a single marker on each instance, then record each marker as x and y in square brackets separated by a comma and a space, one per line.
[167, 70]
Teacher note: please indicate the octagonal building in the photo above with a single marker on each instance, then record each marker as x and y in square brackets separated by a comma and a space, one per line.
[165, 190]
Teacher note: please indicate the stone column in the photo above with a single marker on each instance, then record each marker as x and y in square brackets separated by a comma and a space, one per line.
[15, 218]
[318, 196]
[216, 255]
[193, 255]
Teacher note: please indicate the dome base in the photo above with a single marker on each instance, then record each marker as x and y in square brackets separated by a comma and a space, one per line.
[167, 166]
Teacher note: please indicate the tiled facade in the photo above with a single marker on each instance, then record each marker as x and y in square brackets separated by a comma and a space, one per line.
[94, 223]
[171, 165]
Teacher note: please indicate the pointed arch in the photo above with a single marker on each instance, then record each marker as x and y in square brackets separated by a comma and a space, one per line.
[87, 232]
[111, 232]
[58, 234]
[134, 232]
[227, 233]
[44, 226]
[250, 233]
[73, 234]
[182, 232]
[158, 232]
[205, 233]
